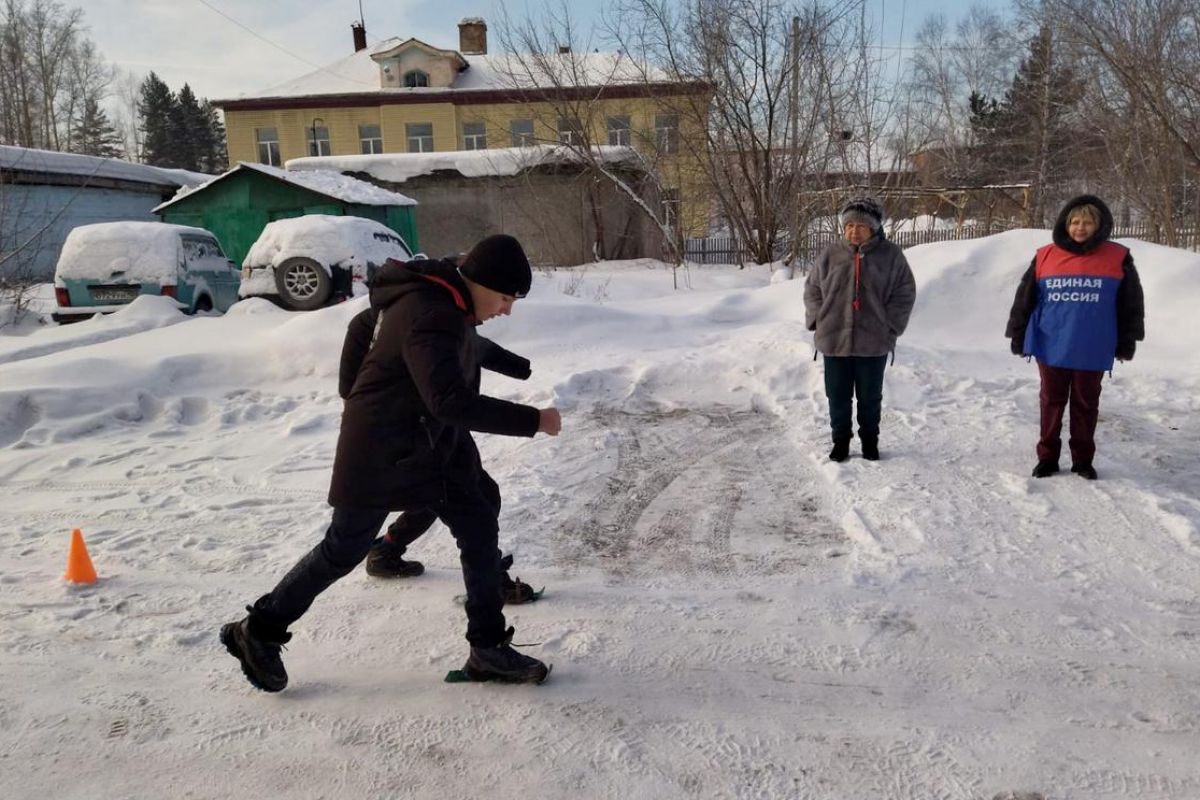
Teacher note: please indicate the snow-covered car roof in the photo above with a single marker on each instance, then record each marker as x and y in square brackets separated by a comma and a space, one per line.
[328, 240]
[143, 251]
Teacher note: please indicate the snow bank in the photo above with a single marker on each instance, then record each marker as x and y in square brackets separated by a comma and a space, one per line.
[400, 167]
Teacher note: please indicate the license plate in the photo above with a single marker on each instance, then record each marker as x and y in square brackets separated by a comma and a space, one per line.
[114, 294]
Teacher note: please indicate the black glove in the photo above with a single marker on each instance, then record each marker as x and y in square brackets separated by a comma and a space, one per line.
[1126, 349]
[1018, 345]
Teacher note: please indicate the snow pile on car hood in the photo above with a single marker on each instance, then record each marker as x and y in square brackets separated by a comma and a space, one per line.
[123, 252]
[346, 241]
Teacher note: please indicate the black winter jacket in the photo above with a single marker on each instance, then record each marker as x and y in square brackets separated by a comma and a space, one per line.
[411, 405]
[1131, 303]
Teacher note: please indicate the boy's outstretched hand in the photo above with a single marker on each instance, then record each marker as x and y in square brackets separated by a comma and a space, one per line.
[550, 422]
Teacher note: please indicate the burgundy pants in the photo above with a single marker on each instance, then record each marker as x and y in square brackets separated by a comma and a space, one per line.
[1080, 388]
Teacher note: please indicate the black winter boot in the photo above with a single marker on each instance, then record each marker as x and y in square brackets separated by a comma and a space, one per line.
[1045, 468]
[870, 447]
[503, 663]
[258, 654]
[841, 449]
[385, 560]
[515, 590]
[1085, 471]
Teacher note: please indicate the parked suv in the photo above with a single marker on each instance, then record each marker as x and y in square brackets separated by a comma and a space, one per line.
[105, 266]
[305, 262]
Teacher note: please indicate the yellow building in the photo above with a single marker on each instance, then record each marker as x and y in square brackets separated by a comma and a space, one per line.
[406, 96]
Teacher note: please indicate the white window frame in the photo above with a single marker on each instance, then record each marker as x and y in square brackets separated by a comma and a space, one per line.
[666, 133]
[521, 138]
[475, 141]
[568, 129]
[270, 156]
[620, 136]
[322, 144]
[423, 142]
[370, 145]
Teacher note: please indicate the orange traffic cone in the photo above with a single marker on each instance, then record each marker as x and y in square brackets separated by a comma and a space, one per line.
[79, 564]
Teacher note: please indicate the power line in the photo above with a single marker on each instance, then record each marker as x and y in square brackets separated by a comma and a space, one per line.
[278, 47]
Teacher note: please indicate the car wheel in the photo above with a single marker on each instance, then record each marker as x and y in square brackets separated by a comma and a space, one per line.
[203, 303]
[303, 284]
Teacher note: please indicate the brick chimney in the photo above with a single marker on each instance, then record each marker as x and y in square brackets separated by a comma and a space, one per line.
[472, 36]
[360, 36]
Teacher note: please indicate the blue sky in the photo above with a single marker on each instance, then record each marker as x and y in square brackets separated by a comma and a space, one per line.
[191, 40]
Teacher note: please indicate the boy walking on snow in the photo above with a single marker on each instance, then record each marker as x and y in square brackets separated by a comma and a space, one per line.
[405, 444]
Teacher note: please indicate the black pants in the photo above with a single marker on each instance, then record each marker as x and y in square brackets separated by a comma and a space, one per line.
[472, 520]
[847, 377]
[412, 525]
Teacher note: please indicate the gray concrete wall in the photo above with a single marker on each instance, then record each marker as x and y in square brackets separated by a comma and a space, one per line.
[549, 211]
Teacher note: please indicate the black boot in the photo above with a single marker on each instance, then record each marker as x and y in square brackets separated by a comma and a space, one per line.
[1045, 468]
[515, 590]
[1085, 471]
[259, 653]
[503, 663]
[385, 560]
[841, 448]
[870, 447]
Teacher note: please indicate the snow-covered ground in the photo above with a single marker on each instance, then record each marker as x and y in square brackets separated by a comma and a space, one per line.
[729, 614]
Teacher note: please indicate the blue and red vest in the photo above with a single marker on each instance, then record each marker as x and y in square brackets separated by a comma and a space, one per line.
[1075, 322]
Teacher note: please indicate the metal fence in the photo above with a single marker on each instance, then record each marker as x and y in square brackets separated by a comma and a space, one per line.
[729, 250]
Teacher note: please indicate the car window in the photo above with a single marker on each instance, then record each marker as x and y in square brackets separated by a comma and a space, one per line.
[204, 253]
[383, 236]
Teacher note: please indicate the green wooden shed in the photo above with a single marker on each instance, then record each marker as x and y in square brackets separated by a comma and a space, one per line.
[237, 205]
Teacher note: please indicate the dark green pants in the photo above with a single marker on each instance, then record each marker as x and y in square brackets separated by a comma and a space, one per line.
[847, 377]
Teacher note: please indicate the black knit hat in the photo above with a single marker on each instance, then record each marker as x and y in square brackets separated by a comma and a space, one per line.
[499, 263]
[864, 210]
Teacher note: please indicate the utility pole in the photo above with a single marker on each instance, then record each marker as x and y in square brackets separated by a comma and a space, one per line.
[794, 183]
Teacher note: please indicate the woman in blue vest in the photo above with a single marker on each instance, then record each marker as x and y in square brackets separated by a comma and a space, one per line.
[1078, 307]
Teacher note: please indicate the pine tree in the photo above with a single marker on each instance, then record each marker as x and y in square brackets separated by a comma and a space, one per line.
[190, 131]
[1029, 136]
[94, 134]
[156, 109]
[216, 156]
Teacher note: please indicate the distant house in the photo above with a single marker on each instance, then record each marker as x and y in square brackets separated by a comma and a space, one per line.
[237, 205]
[541, 194]
[44, 194]
[407, 96]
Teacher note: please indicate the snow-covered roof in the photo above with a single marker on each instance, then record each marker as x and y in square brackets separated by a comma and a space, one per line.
[400, 167]
[25, 159]
[358, 74]
[323, 181]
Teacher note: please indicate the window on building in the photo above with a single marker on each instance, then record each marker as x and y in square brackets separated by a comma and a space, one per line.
[370, 139]
[570, 131]
[415, 78]
[670, 208]
[420, 137]
[268, 146]
[474, 136]
[320, 145]
[522, 132]
[666, 133]
[619, 131]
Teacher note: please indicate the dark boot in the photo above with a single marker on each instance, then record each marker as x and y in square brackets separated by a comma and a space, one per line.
[503, 663]
[1045, 468]
[841, 449]
[870, 447]
[515, 590]
[258, 652]
[385, 560]
[1085, 471]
